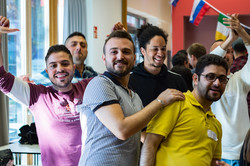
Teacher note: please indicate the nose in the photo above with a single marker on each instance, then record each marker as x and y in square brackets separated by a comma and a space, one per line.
[60, 67]
[217, 82]
[78, 46]
[120, 55]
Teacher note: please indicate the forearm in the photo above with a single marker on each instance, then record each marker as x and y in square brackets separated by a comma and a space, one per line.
[149, 149]
[219, 51]
[1, 56]
[134, 123]
[139, 120]
[147, 157]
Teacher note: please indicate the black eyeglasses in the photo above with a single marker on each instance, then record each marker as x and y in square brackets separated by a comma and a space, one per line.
[211, 77]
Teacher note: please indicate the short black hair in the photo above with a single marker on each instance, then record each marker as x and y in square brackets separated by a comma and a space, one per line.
[58, 48]
[183, 52]
[147, 32]
[239, 46]
[179, 59]
[74, 34]
[118, 34]
[210, 59]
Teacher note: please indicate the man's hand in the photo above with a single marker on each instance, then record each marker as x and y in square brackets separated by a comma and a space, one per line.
[221, 163]
[26, 79]
[4, 22]
[234, 23]
[118, 26]
[170, 95]
[4, 25]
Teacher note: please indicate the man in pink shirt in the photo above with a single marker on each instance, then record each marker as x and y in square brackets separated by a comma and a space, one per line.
[53, 107]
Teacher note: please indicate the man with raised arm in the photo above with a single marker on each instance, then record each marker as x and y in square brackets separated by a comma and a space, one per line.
[53, 107]
[232, 109]
[112, 112]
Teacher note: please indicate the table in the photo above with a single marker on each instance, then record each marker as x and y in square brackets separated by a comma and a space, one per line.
[32, 151]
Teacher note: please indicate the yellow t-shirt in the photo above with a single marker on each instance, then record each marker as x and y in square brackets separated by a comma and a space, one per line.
[191, 136]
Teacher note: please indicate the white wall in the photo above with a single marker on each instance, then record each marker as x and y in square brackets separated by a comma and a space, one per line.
[103, 14]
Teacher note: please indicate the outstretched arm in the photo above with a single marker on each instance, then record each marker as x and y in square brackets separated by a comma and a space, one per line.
[123, 127]
[11, 86]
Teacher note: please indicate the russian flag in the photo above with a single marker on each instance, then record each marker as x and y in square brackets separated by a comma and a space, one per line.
[174, 2]
[200, 7]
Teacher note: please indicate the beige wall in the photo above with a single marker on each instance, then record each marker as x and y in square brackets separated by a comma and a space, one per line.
[158, 12]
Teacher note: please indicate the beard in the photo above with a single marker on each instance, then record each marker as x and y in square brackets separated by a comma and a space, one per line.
[62, 84]
[120, 72]
[212, 97]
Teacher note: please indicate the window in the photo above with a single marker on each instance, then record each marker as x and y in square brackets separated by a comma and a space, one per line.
[26, 48]
[134, 22]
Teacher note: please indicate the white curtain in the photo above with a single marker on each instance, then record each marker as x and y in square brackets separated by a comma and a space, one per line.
[74, 17]
[4, 113]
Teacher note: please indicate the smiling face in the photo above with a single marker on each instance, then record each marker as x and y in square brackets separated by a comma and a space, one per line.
[60, 69]
[210, 90]
[119, 56]
[155, 53]
[77, 45]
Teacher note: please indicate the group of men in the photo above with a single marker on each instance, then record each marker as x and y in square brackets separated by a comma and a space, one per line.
[100, 124]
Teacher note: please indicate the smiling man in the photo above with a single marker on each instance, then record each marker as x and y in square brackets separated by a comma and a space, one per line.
[187, 132]
[113, 112]
[53, 107]
[151, 77]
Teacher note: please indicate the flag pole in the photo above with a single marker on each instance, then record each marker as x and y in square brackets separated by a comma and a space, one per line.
[224, 14]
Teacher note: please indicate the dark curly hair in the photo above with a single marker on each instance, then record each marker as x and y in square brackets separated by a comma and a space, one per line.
[147, 32]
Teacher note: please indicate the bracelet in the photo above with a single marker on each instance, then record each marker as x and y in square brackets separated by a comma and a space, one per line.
[160, 101]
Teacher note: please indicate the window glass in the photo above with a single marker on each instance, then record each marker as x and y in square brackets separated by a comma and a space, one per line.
[18, 43]
[134, 22]
[14, 64]
[39, 40]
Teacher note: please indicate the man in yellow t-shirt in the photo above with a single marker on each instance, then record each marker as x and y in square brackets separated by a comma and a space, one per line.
[186, 132]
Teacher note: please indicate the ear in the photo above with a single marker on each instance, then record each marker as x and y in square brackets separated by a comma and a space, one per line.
[195, 79]
[186, 64]
[193, 57]
[74, 66]
[143, 51]
[134, 59]
[104, 58]
[46, 71]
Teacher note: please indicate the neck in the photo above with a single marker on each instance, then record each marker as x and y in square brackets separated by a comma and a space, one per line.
[205, 103]
[123, 80]
[64, 89]
[239, 55]
[151, 69]
[80, 68]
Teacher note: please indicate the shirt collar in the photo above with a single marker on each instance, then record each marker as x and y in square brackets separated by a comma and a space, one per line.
[110, 76]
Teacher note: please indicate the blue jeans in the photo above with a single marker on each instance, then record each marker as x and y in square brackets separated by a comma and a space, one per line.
[232, 162]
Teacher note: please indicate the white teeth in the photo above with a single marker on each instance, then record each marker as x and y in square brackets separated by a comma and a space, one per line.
[60, 76]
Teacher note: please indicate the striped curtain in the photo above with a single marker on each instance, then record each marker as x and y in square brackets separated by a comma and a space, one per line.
[4, 113]
[74, 17]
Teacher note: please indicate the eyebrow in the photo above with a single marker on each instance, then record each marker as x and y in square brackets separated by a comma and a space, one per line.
[77, 42]
[59, 62]
[159, 46]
